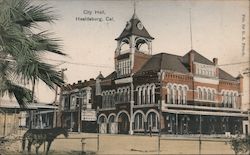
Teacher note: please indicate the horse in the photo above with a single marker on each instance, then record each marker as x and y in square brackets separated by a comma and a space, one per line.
[39, 136]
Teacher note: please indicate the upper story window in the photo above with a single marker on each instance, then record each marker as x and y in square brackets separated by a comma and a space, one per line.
[206, 94]
[176, 93]
[66, 102]
[205, 70]
[229, 98]
[145, 94]
[73, 102]
[124, 67]
[110, 97]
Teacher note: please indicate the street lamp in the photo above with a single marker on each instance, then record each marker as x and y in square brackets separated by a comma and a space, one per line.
[80, 97]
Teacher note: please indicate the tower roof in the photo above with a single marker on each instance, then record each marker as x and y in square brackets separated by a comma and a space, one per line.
[100, 76]
[134, 27]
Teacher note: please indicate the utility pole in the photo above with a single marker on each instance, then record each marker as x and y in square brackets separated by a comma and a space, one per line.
[80, 100]
[31, 112]
[131, 106]
[160, 110]
[59, 115]
[200, 137]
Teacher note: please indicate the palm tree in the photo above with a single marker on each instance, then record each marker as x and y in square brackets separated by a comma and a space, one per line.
[22, 50]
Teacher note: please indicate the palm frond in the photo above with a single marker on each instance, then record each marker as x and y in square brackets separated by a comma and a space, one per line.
[33, 68]
[25, 48]
[22, 94]
[42, 42]
[25, 14]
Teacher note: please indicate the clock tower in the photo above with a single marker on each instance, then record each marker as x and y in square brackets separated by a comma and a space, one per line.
[134, 40]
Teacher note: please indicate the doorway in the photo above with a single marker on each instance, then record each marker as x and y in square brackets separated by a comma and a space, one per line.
[123, 124]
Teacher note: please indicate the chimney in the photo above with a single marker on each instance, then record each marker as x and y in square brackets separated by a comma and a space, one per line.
[240, 78]
[215, 60]
[191, 61]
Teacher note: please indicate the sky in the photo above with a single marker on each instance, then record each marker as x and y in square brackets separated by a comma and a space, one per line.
[218, 30]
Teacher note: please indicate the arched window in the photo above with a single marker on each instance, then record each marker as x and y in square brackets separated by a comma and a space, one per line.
[235, 100]
[179, 96]
[103, 100]
[109, 100]
[139, 95]
[139, 123]
[205, 94]
[152, 121]
[143, 95]
[169, 95]
[113, 99]
[125, 95]
[102, 119]
[112, 119]
[146, 95]
[185, 95]
[225, 100]
[175, 95]
[153, 94]
[209, 95]
[128, 94]
[118, 95]
[213, 95]
[230, 99]
[199, 94]
[150, 95]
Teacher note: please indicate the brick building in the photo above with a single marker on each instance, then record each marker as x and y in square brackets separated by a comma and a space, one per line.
[178, 94]
[186, 94]
[78, 106]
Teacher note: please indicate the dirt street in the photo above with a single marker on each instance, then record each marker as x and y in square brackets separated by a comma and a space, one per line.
[126, 144]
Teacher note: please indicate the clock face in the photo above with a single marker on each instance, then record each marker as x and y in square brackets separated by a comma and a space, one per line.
[140, 26]
[128, 26]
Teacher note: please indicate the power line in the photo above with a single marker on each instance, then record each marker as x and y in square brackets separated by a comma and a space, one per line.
[236, 63]
[103, 66]
[80, 64]
[68, 62]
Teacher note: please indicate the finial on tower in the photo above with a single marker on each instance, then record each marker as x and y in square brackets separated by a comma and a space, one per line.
[134, 14]
[190, 26]
[134, 7]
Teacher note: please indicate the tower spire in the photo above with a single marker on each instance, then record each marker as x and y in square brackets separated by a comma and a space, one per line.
[134, 14]
[134, 7]
[190, 26]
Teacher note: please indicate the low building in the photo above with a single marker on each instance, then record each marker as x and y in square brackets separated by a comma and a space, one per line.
[42, 115]
[78, 108]
[10, 118]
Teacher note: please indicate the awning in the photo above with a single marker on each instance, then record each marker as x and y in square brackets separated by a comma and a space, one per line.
[207, 113]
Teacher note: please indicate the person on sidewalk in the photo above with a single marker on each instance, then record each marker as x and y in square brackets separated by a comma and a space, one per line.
[150, 131]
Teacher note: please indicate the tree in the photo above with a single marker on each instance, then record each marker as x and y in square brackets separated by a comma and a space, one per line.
[22, 49]
[246, 142]
[240, 144]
